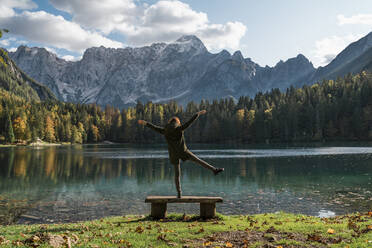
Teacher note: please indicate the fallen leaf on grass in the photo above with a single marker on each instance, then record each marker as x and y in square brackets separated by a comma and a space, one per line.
[185, 217]
[228, 244]
[75, 237]
[162, 237]
[68, 241]
[4, 241]
[330, 231]
[271, 230]
[200, 230]
[139, 229]
[55, 240]
[314, 237]
[126, 243]
[369, 227]
[207, 243]
[335, 241]
[352, 225]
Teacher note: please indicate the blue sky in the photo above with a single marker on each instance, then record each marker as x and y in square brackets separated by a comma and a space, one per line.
[266, 30]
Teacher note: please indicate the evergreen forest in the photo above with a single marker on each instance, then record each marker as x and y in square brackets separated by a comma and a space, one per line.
[338, 109]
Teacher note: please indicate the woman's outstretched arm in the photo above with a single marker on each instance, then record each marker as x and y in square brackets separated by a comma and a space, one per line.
[193, 118]
[152, 126]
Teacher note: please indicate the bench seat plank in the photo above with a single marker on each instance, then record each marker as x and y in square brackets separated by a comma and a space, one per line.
[184, 199]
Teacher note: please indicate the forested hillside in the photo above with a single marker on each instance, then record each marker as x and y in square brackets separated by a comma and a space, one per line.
[14, 80]
[332, 110]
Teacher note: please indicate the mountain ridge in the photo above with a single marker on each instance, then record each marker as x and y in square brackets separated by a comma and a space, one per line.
[15, 81]
[183, 71]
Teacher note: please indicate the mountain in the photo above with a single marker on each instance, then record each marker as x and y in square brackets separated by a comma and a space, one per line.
[183, 71]
[15, 81]
[284, 74]
[354, 58]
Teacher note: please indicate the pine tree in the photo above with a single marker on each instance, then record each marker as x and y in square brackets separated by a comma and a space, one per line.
[9, 134]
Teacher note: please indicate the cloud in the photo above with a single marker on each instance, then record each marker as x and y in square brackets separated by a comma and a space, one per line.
[45, 28]
[93, 20]
[5, 42]
[355, 19]
[51, 50]
[71, 58]
[164, 21]
[7, 6]
[328, 48]
[19, 4]
[11, 41]
[104, 15]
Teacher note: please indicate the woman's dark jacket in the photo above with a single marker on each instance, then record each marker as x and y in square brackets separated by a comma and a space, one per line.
[175, 138]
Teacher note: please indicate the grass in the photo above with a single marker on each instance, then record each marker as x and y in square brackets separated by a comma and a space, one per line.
[264, 230]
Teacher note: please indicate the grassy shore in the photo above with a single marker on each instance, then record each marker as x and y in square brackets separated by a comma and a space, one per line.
[264, 230]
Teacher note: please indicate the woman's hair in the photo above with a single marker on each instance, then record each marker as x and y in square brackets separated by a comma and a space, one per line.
[174, 119]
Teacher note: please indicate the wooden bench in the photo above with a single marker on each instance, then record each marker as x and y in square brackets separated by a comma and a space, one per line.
[159, 204]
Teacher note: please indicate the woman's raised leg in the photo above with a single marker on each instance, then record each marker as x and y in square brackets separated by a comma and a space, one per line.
[201, 162]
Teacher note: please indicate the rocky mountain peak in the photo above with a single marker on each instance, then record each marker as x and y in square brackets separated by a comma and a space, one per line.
[237, 56]
[300, 61]
[302, 57]
[190, 42]
[39, 53]
[189, 38]
[96, 52]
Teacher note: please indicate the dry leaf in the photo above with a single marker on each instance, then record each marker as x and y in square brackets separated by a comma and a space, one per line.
[228, 244]
[207, 243]
[330, 231]
[68, 242]
[313, 237]
[139, 229]
[162, 237]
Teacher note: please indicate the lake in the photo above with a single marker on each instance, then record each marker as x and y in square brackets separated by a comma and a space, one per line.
[82, 182]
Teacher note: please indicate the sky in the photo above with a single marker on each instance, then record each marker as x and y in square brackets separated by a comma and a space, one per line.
[266, 31]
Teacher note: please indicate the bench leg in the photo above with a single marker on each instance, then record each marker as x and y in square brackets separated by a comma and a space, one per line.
[158, 210]
[207, 210]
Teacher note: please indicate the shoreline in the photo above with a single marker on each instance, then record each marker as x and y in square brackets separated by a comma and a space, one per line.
[273, 144]
[177, 230]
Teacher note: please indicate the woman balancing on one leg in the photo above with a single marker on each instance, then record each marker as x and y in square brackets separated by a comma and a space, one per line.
[177, 148]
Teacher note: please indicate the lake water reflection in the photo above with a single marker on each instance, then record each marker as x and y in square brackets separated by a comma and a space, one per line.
[69, 183]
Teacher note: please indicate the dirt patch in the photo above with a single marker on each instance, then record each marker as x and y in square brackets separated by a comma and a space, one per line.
[54, 241]
[269, 239]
